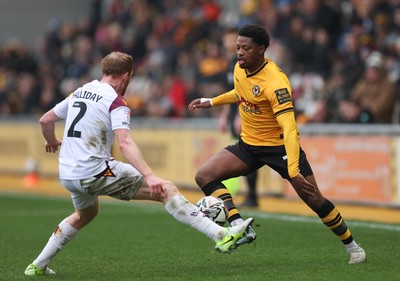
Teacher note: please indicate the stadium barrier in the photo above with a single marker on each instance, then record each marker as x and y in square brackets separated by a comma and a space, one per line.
[352, 164]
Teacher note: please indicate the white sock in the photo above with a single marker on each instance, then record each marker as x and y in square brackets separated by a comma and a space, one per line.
[185, 212]
[61, 236]
[351, 245]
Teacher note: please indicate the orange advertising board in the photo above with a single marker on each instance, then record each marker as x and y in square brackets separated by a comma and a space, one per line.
[351, 169]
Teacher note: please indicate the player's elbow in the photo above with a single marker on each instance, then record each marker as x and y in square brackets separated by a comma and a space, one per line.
[48, 117]
[123, 138]
[44, 120]
[123, 145]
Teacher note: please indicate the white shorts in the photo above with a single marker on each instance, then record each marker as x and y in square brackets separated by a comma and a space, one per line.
[120, 181]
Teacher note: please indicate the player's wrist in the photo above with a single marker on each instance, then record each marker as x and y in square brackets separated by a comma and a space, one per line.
[294, 174]
[202, 100]
[148, 175]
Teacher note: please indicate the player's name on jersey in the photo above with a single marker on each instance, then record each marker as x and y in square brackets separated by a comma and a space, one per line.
[87, 95]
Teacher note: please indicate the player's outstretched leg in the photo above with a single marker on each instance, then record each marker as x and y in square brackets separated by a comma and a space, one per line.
[217, 189]
[232, 234]
[332, 218]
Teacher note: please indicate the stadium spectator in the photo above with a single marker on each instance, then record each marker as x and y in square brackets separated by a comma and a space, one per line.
[320, 14]
[212, 64]
[158, 103]
[175, 90]
[374, 96]
[50, 94]
[293, 37]
[25, 94]
[346, 70]
[163, 34]
[321, 61]
[5, 108]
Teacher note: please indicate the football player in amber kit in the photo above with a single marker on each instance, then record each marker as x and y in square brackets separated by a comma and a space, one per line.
[269, 137]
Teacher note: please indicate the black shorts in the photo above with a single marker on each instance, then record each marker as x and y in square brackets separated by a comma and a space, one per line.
[273, 156]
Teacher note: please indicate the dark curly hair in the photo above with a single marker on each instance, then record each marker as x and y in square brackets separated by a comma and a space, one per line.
[257, 33]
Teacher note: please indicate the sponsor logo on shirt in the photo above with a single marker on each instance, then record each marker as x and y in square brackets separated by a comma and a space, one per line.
[249, 107]
[283, 95]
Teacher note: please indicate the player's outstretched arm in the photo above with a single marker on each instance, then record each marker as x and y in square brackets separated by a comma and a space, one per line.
[200, 103]
[132, 153]
[225, 98]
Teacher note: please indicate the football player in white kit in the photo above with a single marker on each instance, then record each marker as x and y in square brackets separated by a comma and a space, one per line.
[94, 115]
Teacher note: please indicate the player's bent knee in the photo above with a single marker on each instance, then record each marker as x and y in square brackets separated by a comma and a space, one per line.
[82, 217]
[170, 189]
[201, 178]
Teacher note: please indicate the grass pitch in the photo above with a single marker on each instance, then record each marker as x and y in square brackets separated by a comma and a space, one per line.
[140, 241]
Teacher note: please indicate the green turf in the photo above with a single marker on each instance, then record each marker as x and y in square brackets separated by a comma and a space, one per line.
[139, 241]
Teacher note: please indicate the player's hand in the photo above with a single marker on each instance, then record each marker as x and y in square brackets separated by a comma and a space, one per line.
[53, 146]
[156, 186]
[304, 186]
[198, 104]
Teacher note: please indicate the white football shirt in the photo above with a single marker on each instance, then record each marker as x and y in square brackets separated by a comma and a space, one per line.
[91, 114]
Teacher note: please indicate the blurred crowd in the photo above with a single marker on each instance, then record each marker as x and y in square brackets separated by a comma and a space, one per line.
[342, 57]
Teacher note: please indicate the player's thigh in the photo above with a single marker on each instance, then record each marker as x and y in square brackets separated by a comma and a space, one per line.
[222, 165]
[276, 158]
[123, 184]
[79, 195]
[143, 193]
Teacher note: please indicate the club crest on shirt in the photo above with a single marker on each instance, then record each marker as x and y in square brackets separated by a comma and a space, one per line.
[256, 90]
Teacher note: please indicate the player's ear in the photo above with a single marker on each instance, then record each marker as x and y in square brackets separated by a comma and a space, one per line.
[127, 75]
[262, 49]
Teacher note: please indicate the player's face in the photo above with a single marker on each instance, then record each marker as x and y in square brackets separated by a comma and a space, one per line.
[250, 55]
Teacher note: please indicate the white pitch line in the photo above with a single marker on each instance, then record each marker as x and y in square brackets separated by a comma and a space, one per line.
[391, 227]
[156, 207]
[151, 207]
